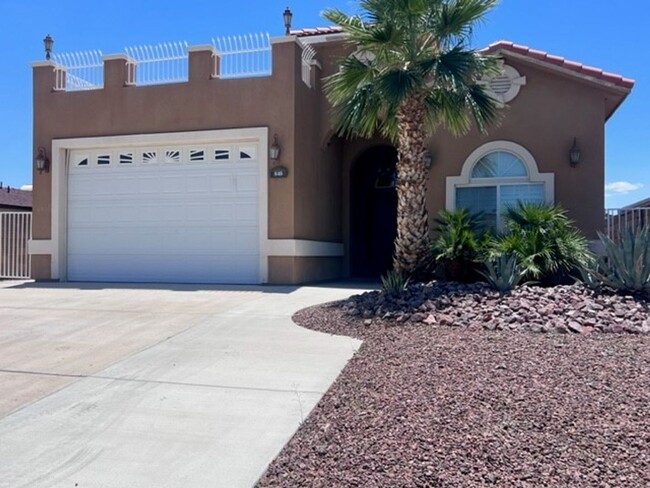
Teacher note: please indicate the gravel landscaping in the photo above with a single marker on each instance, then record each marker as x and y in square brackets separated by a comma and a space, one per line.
[433, 399]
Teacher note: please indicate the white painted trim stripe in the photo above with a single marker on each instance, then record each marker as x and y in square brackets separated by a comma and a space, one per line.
[40, 246]
[303, 248]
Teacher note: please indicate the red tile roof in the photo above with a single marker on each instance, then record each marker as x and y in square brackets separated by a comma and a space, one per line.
[15, 198]
[317, 31]
[579, 68]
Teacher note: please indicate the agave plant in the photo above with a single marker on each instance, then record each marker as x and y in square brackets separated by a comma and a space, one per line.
[626, 264]
[503, 274]
[394, 282]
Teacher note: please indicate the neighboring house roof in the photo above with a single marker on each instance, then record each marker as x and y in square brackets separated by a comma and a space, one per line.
[640, 204]
[561, 62]
[10, 197]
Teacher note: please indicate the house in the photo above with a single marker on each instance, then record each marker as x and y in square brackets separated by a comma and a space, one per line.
[219, 163]
[13, 200]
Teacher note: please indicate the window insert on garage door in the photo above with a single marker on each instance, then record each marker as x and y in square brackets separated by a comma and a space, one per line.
[126, 158]
[222, 154]
[103, 159]
[197, 155]
[80, 159]
[149, 157]
[172, 156]
[247, 153]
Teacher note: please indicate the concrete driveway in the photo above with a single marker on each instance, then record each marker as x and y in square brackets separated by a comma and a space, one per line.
[113, 386]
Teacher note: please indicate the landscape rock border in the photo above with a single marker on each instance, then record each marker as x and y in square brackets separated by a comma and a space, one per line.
[559, 309]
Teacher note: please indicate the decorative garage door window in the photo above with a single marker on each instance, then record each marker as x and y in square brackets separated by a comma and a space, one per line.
[221, 154]
[496, 177]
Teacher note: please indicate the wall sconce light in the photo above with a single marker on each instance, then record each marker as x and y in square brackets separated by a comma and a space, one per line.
[47, 43]
[41, 160]
[574, 153]
[428, 159]
[287, 16]
[274, 150]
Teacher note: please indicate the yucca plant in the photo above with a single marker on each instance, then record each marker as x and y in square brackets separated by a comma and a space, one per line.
[394, 282]
[626, 264]
[547, 245]
[503, 274]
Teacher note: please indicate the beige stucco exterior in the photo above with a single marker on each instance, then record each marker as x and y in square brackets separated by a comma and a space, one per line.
[313, 202]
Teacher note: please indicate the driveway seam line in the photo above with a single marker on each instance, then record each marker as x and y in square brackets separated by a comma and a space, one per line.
[160, 382]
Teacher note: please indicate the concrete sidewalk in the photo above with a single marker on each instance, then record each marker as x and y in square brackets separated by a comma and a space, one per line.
[191, 388]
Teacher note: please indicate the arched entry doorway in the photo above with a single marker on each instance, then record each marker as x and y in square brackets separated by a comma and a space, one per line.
[373, 212]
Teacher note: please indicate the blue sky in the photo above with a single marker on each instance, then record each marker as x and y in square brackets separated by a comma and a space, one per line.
[590, 31]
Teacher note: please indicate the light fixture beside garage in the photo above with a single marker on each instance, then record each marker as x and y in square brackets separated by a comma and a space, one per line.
[274, 155]
[42, 163]
[274, 150]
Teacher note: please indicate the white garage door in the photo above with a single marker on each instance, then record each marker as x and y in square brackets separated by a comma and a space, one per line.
[177, 214]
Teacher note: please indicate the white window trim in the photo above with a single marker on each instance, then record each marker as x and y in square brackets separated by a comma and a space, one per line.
[465, 180]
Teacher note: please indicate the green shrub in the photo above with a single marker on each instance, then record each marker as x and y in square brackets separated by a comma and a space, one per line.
[394, 282]
[457, 244]
[626, 264]
[544, 241]
[503, 274]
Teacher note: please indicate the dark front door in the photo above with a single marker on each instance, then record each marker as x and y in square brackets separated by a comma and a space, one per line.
[373, 212]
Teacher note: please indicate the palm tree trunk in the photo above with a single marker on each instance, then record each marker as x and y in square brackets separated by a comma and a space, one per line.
[412, 242]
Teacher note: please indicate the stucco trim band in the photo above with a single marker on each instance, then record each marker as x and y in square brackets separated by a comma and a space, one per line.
[303, 248]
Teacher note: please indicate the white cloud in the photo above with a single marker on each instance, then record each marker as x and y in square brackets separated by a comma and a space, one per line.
[622, 187]
[26, 187]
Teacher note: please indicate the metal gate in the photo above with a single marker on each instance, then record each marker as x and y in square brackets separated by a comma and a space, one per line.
[15, 233]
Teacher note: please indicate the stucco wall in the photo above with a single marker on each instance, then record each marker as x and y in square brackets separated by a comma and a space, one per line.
[313, 203]
[201, 103]
[544, 118]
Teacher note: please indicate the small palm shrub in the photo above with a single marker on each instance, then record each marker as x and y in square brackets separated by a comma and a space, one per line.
[394, 282]
[457, 243]
[625, 267]
[545, 242]
[503, 274]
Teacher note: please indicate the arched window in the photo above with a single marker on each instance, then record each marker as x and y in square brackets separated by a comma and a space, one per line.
[497, 175]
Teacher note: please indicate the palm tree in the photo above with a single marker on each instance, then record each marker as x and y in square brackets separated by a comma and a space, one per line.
[411, 71]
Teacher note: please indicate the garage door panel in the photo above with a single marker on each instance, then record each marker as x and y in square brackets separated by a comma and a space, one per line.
[246, 212]
[198, 184]
[223, 183]
[175, 221]
[247, 183]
